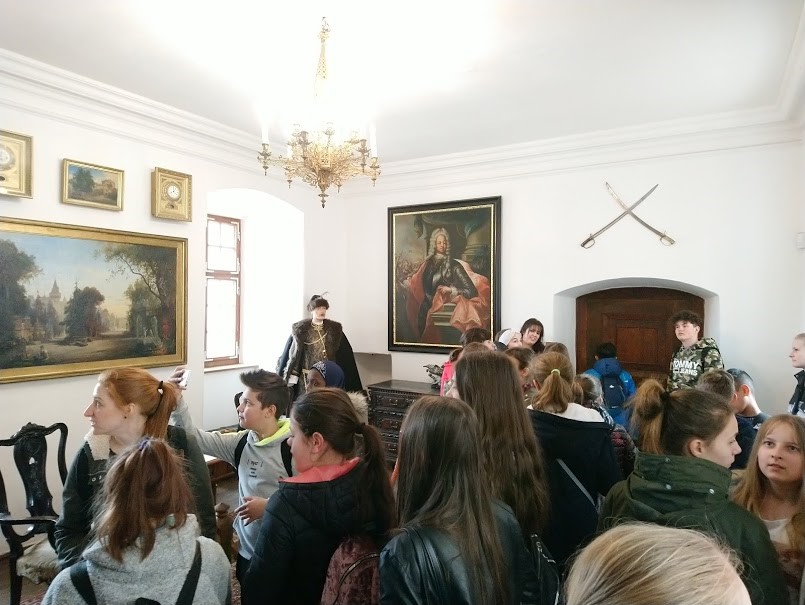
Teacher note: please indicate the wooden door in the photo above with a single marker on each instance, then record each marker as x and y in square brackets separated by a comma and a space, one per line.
[637, 321]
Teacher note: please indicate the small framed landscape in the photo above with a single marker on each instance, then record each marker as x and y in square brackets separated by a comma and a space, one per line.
[171, 194]
[16, 170]
[92, 185]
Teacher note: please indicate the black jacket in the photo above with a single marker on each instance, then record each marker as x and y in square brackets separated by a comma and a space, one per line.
[339, 350]
[85, 480]
[797, 404]
[409, 576]
[586, 448]
[302, 526]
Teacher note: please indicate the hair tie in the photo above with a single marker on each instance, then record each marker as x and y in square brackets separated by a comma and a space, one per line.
[161, 392]
[665, 398]
[143, 444]
[556, 371]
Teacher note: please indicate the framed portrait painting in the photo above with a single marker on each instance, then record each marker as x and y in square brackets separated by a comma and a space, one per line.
[444, 273]
[80, 300]
[91, 185]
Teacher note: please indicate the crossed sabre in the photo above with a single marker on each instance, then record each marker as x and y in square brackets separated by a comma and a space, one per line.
[666, 240]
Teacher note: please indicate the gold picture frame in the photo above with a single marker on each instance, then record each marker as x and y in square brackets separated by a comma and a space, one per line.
[16, 167]
[171, 195]
[89, 299]
[92, 185]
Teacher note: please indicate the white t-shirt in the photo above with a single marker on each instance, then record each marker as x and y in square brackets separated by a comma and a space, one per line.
[792, 561]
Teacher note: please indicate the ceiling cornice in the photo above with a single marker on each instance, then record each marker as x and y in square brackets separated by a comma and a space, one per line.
[34, 87]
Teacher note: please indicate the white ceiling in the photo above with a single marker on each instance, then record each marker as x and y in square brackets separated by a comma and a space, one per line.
[440, 76]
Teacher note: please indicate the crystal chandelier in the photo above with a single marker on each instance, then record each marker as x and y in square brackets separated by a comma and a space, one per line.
[317, 156]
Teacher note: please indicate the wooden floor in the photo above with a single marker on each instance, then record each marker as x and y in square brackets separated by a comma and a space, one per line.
[227, 491]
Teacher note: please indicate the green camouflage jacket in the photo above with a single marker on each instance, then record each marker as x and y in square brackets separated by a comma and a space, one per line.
[688, 364]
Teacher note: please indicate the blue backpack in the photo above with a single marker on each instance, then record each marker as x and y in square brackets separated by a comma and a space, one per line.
[612, 387]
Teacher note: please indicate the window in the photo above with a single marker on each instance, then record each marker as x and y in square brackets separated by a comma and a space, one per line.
[222, 338]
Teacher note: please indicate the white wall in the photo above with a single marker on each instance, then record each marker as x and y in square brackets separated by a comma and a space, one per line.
[733, 214]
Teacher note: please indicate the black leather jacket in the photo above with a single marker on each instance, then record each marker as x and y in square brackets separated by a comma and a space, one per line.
[409, 576]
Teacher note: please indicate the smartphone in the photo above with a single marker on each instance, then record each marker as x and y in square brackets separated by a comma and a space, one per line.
[184, 379]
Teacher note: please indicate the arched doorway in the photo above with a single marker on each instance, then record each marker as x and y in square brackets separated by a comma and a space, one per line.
[636, 320]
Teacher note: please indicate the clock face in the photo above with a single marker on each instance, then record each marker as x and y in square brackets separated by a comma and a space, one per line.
[173, 191]
[6, 158]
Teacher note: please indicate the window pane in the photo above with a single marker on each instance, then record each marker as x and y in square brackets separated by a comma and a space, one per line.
[222, 316]
[222, 259]
[213, 233]
[228, 235]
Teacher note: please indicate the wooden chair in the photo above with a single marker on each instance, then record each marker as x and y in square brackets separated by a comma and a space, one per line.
[30, 448]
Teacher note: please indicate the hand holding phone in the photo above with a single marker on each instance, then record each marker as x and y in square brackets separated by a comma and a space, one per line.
[184, 379]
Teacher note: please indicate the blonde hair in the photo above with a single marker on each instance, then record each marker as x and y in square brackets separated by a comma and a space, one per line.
[753, 486]
[554, 373]
[645, 564]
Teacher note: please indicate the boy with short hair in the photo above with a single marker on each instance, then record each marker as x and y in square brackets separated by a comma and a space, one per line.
[259, 451]
[695, 356]
[746, 405]
[617, 385]
[721, 382]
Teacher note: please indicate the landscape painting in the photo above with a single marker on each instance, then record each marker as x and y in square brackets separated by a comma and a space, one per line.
[79, 300]
[444, 270]
[90, 185]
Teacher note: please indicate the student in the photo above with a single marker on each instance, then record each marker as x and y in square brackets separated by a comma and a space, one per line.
[745, 401]
[508, 339]
[695, 356]
[335, 494]
[533, 334]
[773, 489]
[722, 383]
[577, 445]
[511, 456]
[617, 384]
[797, 356]
[682, 479]
[523, 359]
[479, 335]
[447, 514]
[146, 539]
[127, 404]
[637, 564]
[258, 451]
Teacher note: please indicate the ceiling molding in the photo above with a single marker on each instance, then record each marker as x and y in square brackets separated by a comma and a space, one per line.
[34, 87]
[791, 100]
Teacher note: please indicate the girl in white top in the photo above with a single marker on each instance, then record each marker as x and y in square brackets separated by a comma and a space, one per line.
[772, 487]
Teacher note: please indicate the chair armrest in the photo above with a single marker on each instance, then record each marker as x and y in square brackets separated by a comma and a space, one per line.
[9, 520]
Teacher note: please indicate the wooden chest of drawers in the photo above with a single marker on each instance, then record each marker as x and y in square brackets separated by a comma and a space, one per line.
[388, 402]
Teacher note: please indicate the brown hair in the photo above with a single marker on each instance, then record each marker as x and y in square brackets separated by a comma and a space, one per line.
[155, 399]
[512, 458]
[271, 389]
[688, 316]
[556, 347]
[639, 563]
[589, 390]
[717, 381]
[475, 335]
[554, 373]
[144, 488]
[330, 412]
[753, 485]
[523, 357]
[539, 346]
[667, 422]
[442, 485]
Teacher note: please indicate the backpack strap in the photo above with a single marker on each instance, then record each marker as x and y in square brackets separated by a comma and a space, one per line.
[188, 592]
[578, 483]
[285, 450]
[80, 578]
[239, 449]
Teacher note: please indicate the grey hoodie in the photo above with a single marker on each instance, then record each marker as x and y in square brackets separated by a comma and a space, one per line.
[159, 576]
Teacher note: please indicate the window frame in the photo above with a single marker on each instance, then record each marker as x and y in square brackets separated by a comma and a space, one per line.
[219, 275]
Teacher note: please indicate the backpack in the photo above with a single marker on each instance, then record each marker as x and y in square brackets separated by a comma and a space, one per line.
[79, 575]
[612, 389]
[285, 451]
[353, 576]
[550, 586]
